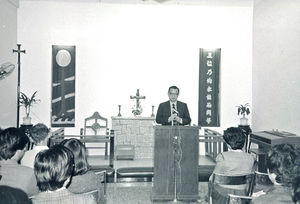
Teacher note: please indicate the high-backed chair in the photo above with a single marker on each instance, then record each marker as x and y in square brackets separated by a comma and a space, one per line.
[96, 125]
[247, 180]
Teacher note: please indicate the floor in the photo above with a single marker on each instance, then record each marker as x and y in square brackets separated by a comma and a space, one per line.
[140, 193]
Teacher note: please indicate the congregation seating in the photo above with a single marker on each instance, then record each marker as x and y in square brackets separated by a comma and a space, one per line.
[212, 139]
[102, 177]
[109, 168]
[109, 172]
[134, 174]
[219, 179]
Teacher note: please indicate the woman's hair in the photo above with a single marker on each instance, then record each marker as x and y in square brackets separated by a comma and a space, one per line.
[282, 161]
[39, 132]
[11, 140]
[296, 189]
[10, 195]
[53, 167]
[234, 137]
[80, 156]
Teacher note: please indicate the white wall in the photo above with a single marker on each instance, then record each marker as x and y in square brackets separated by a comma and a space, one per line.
[8, 41]
[276, 65]
[120, 48]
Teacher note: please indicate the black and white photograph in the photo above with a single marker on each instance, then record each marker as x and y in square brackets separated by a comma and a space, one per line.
[149, 101]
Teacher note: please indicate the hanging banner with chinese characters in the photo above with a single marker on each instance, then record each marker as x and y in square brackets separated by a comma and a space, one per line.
[63, 86]
[209, 69]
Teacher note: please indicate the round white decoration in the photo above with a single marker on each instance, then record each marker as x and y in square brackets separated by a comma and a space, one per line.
[63, 58]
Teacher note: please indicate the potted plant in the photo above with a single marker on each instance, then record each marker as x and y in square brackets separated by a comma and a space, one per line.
[27, 102]
[243, 110]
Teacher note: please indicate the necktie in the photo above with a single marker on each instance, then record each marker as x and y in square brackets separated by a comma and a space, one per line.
[174, 109]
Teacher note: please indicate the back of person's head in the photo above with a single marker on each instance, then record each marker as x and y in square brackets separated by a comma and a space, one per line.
[234, 137]
[80, 156]
[39, 132]
[10, 195]
[281, 161]
[53, 167]
[296, 190]
[11, 140]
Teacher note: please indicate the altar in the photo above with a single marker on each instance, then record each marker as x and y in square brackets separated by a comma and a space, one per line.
[137, 131]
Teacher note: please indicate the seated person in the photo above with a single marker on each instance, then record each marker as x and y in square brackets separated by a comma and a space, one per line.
[296, 190]
[53, 169]
[13, 144]
[281, 161]
[10, 195]
[40, 136]
[83, 179]
[232, 163]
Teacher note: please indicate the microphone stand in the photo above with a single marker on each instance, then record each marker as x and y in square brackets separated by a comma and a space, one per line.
[175, 152]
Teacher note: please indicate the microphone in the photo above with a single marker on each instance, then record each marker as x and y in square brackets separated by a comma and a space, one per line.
[174, 111]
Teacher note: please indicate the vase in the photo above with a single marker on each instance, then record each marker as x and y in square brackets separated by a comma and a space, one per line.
[27, 120]
[244, 121]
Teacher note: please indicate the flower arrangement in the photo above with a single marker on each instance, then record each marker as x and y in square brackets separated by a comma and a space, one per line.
[243, 110]
[137, 109]
[27, 101]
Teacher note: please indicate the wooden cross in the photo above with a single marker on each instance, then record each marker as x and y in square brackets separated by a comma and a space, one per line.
[137, 97]
[19, 51]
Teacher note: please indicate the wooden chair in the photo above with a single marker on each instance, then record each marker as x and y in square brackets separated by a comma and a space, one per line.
[214, 143]
[99, 195]
[96, 125]
[95, 194]
[219, 179]
[262, 179]
[238, 199]
[102, 178]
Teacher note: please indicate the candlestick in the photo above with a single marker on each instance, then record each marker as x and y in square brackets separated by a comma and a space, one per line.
[119, 115]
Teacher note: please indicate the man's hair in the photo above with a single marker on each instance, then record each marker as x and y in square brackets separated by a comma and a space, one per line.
[39, 132]
[53, 167]
[234, 137]
[10, 195]
[173, 87]
[80, 157]
[11, 140]
[282, 160]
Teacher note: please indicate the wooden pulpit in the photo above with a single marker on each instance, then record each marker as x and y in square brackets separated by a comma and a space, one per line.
[176, 152]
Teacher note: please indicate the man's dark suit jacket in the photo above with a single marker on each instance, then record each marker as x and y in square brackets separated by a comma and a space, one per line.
[164, 112]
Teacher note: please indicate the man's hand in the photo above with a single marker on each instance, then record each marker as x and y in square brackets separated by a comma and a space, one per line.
[175, 118]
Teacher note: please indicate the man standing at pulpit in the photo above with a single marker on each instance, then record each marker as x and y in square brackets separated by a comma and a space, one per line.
[173, 112]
